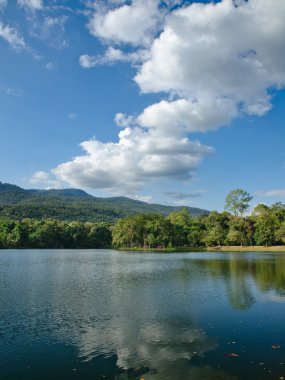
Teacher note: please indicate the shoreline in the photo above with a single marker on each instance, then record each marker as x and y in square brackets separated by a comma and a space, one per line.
[279, 248]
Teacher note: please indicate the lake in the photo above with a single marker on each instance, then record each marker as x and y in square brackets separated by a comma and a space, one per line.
[103, 314]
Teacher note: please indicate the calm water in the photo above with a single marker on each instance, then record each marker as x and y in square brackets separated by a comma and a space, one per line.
[117, 315]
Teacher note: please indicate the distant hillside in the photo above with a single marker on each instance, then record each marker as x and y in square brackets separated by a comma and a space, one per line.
[74, 204]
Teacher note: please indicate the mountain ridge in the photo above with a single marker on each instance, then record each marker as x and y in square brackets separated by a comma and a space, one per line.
[75, 204]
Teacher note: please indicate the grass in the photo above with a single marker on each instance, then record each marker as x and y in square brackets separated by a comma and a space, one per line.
[259, 248]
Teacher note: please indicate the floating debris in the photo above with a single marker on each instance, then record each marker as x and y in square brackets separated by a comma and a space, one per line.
[275, 346]
[231, 355]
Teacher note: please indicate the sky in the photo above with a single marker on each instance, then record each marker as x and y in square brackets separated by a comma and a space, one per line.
[173, 102]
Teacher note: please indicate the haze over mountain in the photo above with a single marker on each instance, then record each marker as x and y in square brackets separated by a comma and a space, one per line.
[74, 204]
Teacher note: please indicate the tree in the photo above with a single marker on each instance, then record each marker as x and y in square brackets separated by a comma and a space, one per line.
[260, 209]
[280, 233]
[237, 201]
[215, 236]
[278, 209]
[241, 231]
[181, 222]
[265, 228]
[217, 228]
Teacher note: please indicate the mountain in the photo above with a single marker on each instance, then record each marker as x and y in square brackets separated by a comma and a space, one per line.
[74, 204]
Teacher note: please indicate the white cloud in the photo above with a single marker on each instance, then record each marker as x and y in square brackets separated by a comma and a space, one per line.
[50, 29]
[271, 193]
[87, 61]
[192, 116]
[11, 35]
[13, 91]
[31, 4]
[144, 198]
[39, 177]
[130, 24]
[44, 180]
[140, 156]
[15, 40]
[124, 121]
[113, 55]
[213, 61]
[220, 51]
[50, 66]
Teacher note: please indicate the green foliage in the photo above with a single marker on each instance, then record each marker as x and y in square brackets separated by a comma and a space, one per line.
[143, 231]
[74, 219]
[265, 227]
[216, 229]
[241, 231]
[74, 204]
[280, 233]
[260, 209]
[53, 234]
[181, 226]
[237, 201]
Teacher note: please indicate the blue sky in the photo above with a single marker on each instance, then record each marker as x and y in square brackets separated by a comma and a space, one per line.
[176, 103]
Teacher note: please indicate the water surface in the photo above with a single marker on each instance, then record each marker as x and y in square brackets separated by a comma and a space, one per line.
[84, 314]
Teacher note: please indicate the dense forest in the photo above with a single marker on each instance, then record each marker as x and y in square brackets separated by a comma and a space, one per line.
[265, 226]
[30, 233]
[74, 204]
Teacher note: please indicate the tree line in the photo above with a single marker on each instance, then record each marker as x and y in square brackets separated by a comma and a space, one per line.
[30, 233]
[265, 226]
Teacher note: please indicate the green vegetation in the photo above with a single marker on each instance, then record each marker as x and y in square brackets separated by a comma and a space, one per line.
[267, 275]
[237, 201]
[265, 227]
[74, 204]
[53, 234]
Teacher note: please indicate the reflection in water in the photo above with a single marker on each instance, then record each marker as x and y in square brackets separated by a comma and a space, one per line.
[129, 315]
[238, 271]
[157, 351]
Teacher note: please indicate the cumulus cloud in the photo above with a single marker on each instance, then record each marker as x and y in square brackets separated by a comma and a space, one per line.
[191, 115]
[211, 62]
[123, 120]
[31, 4]
[140, 156]
[130, 24]
[220, 51]
[12, 37]
[39, 177]
[44, 179]
[271, 193]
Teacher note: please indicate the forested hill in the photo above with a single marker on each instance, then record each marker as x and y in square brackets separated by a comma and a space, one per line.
[74, 204]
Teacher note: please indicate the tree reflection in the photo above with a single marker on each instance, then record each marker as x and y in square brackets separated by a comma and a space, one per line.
[268, 273]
